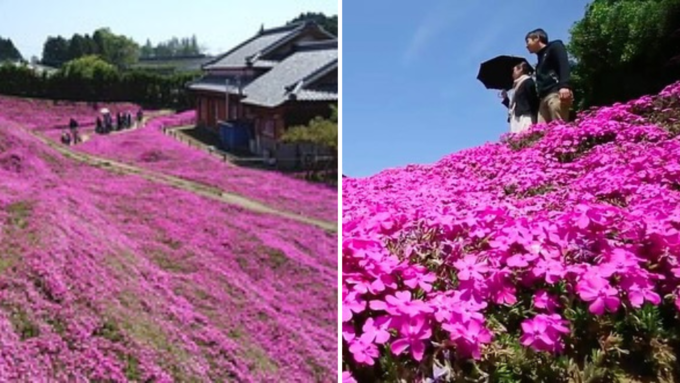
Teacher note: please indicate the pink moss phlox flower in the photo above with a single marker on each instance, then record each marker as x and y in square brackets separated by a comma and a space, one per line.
[364, 350]
[639, 290]
[413, 335]
[543, 332]
[500, 289]
[378, 329]
[418, 276]
[551, 270]
[599, 293]
[347, 377]
[520, 260]
[401, 303]
[470, 268]
[469, 336]
[352, 303]
[545, 301]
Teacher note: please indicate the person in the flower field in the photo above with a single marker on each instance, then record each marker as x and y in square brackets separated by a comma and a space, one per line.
[66, 138]
[523, 108]
[552, 76]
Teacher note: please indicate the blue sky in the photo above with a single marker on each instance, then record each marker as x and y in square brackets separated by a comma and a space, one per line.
[410, 93]
[218, 24]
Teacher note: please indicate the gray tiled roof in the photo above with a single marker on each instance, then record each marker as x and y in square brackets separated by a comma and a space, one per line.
[274, 87]
[265, 63]
[215, 84]
[236, 58]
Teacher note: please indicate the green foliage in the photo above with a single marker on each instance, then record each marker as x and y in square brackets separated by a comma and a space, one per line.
[117, 50]
[88, 68]
[187, 46]
[625, 49]
[20, 81]
[8, 52]
[90, 78]
[55, 51]
[319, 131]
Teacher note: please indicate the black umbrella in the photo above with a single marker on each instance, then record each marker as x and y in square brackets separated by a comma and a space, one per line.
[497, 72]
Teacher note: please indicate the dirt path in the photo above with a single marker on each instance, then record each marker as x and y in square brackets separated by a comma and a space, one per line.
[194, 187]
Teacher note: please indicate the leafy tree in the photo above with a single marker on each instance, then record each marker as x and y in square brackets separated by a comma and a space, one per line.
[55, 51]
[146, 50]
[99, 37]
[118, 50]
[8, 52]
[87, 77]
[624, 49]
[77, 47]
[186, 46]
[86, 67]
[91, 47]
[330, 24]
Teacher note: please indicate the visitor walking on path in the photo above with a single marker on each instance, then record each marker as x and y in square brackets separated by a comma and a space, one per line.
[73, 124]
[552, 76]
[99, 127]
[76, 137]
[140, 117]
[523, 107]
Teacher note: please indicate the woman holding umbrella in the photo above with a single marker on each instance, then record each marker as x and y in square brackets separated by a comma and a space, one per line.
[523, 107]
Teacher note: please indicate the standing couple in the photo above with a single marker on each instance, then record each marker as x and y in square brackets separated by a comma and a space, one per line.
[549, 96]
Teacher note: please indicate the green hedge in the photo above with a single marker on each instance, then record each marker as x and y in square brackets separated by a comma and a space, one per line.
[100, 85]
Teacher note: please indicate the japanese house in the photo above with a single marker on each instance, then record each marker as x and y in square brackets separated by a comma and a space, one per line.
[280, 78]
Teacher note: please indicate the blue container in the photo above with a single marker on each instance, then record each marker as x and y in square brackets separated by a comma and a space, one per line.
[235, 136]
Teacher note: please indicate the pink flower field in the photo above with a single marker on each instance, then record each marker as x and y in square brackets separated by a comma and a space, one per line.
[151, 149]
[553, 255]
[49, 116]
[109, 277]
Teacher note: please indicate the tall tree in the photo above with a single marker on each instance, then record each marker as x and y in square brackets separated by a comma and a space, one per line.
[146, 50]
[624, 49]
[8, 52]
[118, 50]
[77, 47]
[99, 40]
[194, 45]
[91, 47]
[55, 51]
